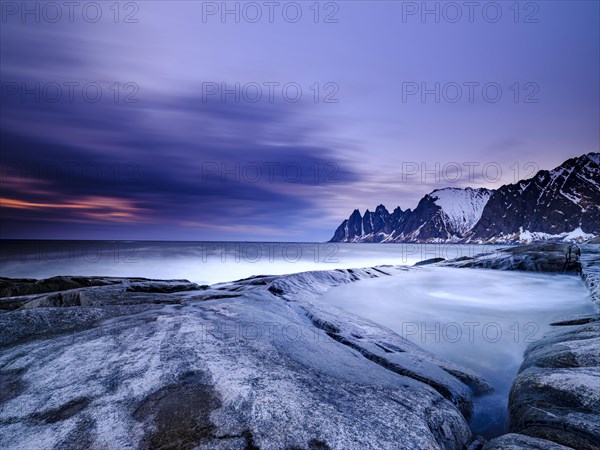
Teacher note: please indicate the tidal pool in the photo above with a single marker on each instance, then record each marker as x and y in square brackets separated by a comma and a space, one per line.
[483, 319]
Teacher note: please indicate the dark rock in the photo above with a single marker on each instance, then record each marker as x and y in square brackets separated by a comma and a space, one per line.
[81, 436]
[547, 257]
[11, 384]
[276, 291]
[220, 296]
[429, 261]
[477, 443]
[65, 291]
[515, 441]
[165, 287]
[377, 223]
[179, 414]
[64, 412]
[590, 270]
[316, 444]
[313, 444]
[11, 287]
[576, 320]
[556, 395]
[552, 204]
[545, 203]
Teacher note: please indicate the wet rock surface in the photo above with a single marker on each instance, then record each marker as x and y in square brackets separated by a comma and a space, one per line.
[11, 287]
[256, 363]
[11, 384]
[429, 261]
[590, 269]
[515, 441]
[547, 257]
[63, 412]
[179, 413]
[556, 395]
[260, 363]
[555, 398]
[63, 292]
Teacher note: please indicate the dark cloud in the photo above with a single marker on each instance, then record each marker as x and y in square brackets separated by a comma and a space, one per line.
[154, 168]
[162, 161]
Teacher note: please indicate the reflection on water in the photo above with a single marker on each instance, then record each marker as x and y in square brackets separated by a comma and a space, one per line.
[483, 319]
[207, 262]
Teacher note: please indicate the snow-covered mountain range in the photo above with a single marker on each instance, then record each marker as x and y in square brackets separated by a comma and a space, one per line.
[558, 205]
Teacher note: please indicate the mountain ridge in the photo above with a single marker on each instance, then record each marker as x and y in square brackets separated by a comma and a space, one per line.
[562, 204]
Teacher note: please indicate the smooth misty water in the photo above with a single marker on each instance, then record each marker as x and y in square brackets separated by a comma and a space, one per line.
[483, 319]
[207, 262]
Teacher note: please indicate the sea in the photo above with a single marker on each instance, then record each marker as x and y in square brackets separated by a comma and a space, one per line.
[208, 262]
[482, 319]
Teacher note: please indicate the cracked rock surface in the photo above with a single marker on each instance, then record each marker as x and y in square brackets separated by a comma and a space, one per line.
[556, 395]
[134, 363]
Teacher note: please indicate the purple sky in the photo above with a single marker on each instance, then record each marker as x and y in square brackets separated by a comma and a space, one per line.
[185, 163]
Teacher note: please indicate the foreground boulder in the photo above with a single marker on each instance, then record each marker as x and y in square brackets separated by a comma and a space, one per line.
[514, 441]
[556, 395]
[10, 287]
[590, 270]
[555, 399]
[546, 257]
[250, 364]
[69, 290]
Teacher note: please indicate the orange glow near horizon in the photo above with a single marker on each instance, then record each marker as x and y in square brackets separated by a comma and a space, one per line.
[108, 208]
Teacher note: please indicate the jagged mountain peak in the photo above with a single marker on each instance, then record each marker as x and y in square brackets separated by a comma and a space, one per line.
[460, 189]
[558, 204]
[562, 203]
[462, 207]
[594, 157]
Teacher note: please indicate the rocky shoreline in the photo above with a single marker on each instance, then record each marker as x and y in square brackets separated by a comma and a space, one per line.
[590, 270]
[104, 362]
[555, 399]
[256, 363]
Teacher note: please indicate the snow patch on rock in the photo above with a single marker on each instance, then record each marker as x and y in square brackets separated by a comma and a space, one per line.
[462, 207]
